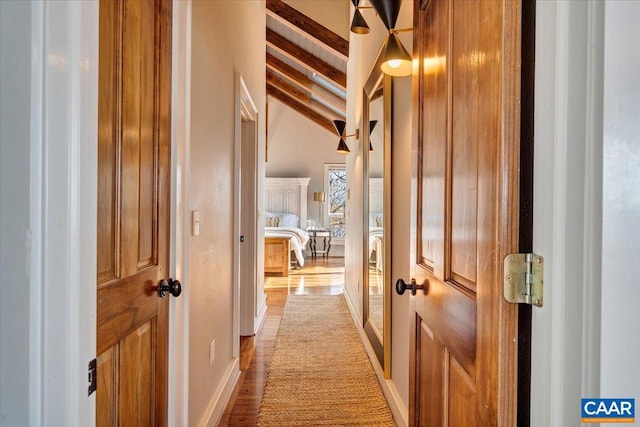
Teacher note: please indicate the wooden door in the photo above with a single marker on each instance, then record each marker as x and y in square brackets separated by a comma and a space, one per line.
[133, 211]
[464, 354]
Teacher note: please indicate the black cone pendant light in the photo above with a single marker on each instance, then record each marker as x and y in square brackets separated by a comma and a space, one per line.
[342, 147]
[358, 24]
[396, 60]
[340, 126]
[372, 126]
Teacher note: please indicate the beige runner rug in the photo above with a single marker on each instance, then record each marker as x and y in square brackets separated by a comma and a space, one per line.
[320, 374]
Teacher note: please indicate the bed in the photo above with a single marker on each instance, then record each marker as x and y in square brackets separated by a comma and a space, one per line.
[376, 223]
[284, 219]
[376, 253]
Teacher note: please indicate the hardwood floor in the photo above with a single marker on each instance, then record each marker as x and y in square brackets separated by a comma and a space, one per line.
[318, 277]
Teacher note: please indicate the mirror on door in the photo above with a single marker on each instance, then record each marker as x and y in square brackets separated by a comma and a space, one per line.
[377, 219]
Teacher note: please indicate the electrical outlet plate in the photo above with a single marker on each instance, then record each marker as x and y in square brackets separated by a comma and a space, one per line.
[195, 223]
[212, 352]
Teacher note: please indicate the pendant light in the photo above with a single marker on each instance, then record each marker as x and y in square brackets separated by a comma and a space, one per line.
[372, 126]
[340, 126]
[358, 24]
[396, 60]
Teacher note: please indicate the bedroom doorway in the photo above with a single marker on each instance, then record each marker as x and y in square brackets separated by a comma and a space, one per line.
[249, 305]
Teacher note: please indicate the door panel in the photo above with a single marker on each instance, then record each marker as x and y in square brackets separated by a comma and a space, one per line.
[466, 106]
[133, 211]
[107, 384]
[462, 396]
[136, 365]
[462, 183]
[434, 110]
[108, 143]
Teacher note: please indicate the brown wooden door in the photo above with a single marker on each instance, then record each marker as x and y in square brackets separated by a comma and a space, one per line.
[133, 211]
[466, 135]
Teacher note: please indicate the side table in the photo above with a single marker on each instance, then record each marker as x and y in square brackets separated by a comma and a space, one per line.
[314, 235]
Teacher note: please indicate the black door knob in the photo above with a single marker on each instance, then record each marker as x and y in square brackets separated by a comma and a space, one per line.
[402, 286]
[171, 286]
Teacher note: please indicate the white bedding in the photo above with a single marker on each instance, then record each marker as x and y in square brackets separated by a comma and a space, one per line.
[375, 242]
[297, 236]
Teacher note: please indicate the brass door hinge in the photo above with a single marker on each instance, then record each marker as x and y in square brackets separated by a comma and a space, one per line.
[524, 278]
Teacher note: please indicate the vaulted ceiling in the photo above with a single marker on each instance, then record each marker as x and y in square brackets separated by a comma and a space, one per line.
[306, 65]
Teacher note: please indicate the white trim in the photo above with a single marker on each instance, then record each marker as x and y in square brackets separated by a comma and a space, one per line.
[245, 109]
[592, 256]
[64, 195]
[178, 391]
[36, 215]
[567, 218]
[248, 110]
[215, 408]
[237, 203]
[325, 212]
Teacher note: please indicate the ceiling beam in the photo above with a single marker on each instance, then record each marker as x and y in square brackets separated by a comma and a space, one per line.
[291, 90]
[306, 59]
[302, 24]
[299, 78]
[301, 96]
[312, 115]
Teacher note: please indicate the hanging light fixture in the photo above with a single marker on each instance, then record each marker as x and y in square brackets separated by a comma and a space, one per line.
[343, 148]
[358, 24]
[340, 126]
[372, 125]
[396, 60]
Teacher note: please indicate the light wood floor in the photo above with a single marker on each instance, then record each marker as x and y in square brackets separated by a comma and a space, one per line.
[318, 277]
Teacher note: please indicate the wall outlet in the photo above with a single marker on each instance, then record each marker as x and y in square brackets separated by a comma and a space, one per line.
[212, 352]
[358, 284]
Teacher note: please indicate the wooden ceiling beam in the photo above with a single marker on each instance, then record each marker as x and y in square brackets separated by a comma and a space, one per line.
[300, 79]
[289, 89]
[295, 105]
[304, 25]
[301, 96]
[305, 59]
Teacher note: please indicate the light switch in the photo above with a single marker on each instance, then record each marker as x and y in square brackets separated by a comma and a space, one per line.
[195, 223]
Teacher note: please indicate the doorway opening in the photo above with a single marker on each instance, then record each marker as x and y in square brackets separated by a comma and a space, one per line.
[249, 300]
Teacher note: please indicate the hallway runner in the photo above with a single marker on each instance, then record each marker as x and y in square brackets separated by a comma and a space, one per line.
[320, 374]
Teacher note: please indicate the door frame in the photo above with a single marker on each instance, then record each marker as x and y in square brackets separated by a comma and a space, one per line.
[61, 248]
[178, 388]
[565, 362]
[249, 311]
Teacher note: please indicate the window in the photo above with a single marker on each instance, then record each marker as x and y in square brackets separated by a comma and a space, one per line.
[336, 189]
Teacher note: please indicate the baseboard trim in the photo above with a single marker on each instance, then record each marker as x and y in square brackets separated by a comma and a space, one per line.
[215, 409]
[262, 315]
[399, 411]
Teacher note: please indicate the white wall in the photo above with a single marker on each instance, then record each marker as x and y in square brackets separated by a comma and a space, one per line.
[363, 52]
[620, 373]
[15, 82]
[48, 209]
[299, 147]
[227, 36]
